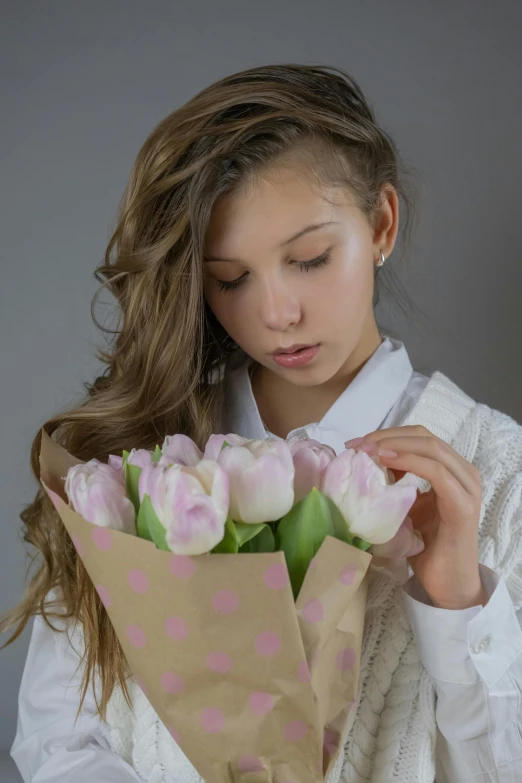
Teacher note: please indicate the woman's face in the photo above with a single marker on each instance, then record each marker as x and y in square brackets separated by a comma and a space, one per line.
[264, 288]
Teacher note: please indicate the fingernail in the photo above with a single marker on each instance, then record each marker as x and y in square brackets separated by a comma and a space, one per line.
[353, 442]
[387, 453]
[369, 448]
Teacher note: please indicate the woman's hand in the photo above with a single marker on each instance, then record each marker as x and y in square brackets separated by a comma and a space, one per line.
[447, 515]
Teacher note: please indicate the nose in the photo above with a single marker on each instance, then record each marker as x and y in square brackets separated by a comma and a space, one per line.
[279, 306]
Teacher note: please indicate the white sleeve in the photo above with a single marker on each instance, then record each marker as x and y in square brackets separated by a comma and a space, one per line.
[474, 658]
[48, 746]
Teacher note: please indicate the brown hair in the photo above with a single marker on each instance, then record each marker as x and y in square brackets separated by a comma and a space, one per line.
[162, 356]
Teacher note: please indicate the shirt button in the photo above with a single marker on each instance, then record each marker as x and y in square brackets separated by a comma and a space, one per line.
[482, 645]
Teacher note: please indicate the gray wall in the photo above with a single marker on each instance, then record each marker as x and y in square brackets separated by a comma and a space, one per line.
[84, 83]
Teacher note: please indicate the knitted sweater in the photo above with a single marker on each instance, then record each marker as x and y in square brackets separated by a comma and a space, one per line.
[393, 733]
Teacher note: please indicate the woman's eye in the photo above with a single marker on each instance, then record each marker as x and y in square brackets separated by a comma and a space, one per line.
[321, 260]
[305, 266]
[226, 285]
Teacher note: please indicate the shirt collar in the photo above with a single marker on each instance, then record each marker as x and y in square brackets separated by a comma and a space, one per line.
[361, 408]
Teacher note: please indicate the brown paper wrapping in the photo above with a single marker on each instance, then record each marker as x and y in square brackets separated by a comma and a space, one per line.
[253, 686]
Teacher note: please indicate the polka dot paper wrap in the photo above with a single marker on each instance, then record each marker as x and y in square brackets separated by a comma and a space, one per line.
[253, 686]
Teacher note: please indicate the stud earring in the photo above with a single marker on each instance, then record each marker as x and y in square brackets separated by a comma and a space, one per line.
[381, 260]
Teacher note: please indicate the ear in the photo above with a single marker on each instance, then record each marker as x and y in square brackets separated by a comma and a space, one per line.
[386, 221]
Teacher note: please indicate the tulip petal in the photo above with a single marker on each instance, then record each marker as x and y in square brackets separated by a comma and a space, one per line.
[180, 449]
[261, 476]
[261, 489]
[311, 459]
[215, 444]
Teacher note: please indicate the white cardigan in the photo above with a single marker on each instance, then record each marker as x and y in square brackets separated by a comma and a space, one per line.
[449, 698]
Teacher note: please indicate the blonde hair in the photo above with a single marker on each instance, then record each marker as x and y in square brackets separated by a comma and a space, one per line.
[162, 356]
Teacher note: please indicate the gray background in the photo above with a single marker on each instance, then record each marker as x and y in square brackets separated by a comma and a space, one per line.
[84, 83]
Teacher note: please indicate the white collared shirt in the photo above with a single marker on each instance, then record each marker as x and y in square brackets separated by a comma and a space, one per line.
[474, 655]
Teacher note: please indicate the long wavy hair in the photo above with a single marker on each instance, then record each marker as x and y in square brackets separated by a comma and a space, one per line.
[161, 358]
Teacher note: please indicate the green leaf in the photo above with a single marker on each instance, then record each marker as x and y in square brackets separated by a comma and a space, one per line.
[360, 543]
[301, 532]
[156, 454]
[156, 530]
[263, 542]
[142, 523]
[229, 543]
[247, 532]
[125, 455]
[339, 525]
[132, 476]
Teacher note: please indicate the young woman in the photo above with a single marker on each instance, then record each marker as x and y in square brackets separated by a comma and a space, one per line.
[246, 264]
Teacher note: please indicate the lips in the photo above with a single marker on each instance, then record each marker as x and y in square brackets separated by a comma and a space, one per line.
[293, 348]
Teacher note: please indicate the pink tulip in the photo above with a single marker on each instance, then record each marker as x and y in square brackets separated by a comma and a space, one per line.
[311, 459]
[180, 450]
[97, 492]
[261, 474]
[139, 457]
[373, 508]
[191, 502]
[115, 462]
[215, 444]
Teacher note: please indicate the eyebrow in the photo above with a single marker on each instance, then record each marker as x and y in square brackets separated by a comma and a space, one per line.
[300, 233]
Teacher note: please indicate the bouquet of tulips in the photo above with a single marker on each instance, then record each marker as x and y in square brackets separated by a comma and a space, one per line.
[235, 579]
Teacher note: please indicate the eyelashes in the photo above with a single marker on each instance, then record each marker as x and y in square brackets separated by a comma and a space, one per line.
[304, 266]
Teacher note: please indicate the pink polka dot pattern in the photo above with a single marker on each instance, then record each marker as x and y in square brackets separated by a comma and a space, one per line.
[171, 682]
[276, 576]
[345, 659]
[105, 595]
[102, 538]
[250, 764]
[176, 628]
[138, 580]
[260, 702]
[348, 574]
[182, 566]
[201, 592]
[303, 672]
[212, 720]
[225, 602]
[136, 635]
[295, 731]
[268, 643]
[218, 662]
[313, 611]
[174, 734]
[77, 544]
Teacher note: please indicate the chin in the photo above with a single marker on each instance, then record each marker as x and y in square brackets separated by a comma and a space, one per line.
[308, 375]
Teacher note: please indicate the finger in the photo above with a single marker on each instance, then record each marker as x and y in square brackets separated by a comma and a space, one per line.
[435, 450]
[404, 430]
